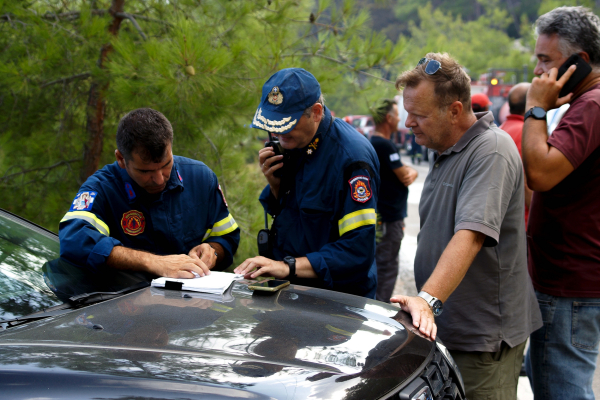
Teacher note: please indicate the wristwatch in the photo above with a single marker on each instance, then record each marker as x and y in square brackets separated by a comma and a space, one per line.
[535, 113]
[291, 262]
[434, 303]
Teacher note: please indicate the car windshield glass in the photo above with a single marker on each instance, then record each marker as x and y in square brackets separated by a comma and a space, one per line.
[24, 249]
[356, 123]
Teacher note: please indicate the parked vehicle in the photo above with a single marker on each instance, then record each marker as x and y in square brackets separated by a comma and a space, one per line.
[362, 123]
[60, 338]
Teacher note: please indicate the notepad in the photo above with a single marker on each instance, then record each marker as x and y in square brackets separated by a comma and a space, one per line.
[216, 282]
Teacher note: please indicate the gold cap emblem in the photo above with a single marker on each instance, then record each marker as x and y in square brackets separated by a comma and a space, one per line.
[275, 96]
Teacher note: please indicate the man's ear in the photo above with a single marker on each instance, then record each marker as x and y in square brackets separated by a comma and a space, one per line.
[456, 111]
[584, 56]
[318, 111]
[120, 159]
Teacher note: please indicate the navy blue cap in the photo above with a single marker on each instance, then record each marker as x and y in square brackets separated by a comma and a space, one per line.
[285, 96]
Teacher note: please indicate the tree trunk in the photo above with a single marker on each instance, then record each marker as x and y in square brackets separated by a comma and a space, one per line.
[96, 105]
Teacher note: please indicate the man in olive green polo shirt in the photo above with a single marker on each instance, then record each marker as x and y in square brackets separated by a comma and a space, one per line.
[471, 264]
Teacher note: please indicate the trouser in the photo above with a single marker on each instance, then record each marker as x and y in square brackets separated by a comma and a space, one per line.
[387, 257]
[491, 375]
[562, 354]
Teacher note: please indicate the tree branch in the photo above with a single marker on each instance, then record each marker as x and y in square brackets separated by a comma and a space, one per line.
[338, 62]
[73, 15]
[8, 177]
[68, 79]
[133, 21]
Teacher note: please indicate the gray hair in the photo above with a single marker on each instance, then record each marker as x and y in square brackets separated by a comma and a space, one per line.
[577, 28]
[308, 111]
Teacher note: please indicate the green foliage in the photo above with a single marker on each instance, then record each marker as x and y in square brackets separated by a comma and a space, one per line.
[478, 44]
[549, 5]
[202, 64]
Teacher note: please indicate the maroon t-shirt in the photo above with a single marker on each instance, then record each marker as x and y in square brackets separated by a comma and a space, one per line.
[564, 222]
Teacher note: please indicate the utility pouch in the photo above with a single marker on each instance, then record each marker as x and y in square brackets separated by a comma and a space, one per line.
[263, 239]
[263, 243]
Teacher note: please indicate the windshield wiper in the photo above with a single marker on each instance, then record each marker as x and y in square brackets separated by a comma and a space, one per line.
[48, 312]
[95, 297]
[74, 302]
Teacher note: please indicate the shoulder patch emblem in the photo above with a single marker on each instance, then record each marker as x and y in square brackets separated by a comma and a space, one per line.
[394, 157]
[360, 188]
[275, 96]
[83, 201]
[133, 222]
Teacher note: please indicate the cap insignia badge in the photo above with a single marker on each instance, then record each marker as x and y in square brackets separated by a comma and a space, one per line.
[275, 96]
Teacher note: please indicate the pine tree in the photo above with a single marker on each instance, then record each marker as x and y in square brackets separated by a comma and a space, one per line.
[70, 70]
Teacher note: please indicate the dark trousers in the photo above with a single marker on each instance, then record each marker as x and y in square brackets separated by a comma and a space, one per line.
[387, 257]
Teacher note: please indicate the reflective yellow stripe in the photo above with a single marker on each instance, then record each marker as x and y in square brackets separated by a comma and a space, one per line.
[90, 218]
[338, 330]
[220, 308]
[223, 227]
[357, 219]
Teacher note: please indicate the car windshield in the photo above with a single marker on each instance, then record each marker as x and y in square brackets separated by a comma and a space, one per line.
[356, 123]
[24, 249]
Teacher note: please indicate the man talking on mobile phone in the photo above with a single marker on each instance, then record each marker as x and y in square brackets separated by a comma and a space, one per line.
[564, 221]
[323, 203]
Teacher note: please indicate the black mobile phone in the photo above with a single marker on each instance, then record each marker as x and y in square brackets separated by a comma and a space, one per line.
[271, 285]
[278, 150]
[583, 70]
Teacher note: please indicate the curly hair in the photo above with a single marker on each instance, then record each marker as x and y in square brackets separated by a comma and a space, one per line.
[577, 28]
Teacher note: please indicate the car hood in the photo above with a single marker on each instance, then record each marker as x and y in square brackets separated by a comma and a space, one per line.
[296, 343]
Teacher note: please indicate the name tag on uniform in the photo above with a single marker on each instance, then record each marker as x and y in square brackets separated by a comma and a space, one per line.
[394, 157]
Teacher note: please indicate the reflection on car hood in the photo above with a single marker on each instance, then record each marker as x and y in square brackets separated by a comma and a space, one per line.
[296, 343]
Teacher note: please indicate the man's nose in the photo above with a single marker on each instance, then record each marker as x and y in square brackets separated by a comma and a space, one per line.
[538, 70]
[158, 177]
[409, 121]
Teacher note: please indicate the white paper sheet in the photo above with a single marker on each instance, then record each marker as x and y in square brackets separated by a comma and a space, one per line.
[216, 282]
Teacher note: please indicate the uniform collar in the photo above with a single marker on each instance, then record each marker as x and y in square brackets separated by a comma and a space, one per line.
[311, 150]
[134, 192]
[484, 121]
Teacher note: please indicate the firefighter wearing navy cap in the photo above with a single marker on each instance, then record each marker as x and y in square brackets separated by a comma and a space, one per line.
[322, 191]
[150, 213]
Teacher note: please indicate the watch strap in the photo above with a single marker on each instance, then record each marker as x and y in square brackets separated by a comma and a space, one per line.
[530, 113]
[291, 263]
[427, 297]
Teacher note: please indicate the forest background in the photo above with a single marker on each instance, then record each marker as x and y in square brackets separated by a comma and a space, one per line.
[69, 70]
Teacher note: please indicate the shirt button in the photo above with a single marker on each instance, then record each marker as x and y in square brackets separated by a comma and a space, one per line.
[436, 165]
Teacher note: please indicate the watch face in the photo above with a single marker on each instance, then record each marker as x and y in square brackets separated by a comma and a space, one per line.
[538, 113]
[437, 308]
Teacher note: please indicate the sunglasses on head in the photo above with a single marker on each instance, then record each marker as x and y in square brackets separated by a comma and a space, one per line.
[431, 66]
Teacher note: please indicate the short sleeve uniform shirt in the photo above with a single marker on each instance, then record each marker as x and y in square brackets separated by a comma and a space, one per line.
[393, 194]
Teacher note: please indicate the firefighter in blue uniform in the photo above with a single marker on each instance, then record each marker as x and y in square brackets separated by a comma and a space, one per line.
[149, 213]
[322, 191]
